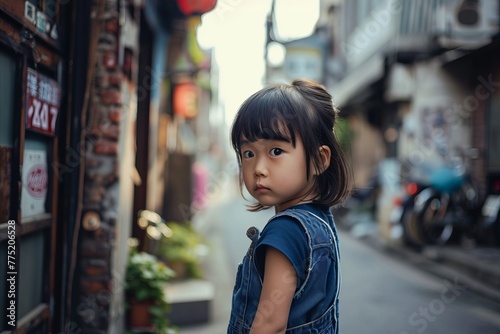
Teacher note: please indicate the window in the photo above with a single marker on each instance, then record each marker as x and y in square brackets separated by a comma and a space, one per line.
[7, 87]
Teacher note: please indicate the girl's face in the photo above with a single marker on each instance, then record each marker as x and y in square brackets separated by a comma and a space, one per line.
[274, 172]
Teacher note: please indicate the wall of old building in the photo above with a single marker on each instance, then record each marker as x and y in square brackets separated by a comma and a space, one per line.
[434, 130]
[109, 174]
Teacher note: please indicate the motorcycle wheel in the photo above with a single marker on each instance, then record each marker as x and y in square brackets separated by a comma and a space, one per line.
[411, 232]
[432, 231]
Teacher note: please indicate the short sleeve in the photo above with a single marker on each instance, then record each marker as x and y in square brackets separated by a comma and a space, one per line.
[286, 235]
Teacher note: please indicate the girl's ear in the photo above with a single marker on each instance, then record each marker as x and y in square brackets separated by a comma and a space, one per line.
[326, 155]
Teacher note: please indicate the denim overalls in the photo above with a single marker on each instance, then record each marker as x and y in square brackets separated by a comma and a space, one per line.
[323, 272]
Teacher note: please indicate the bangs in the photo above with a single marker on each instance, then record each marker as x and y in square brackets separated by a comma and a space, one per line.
[264, 116]
[258, 127]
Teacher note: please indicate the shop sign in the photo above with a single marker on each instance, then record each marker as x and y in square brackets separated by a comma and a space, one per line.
[43, 97]
[35, 183]
[304, 62]
[44, 23]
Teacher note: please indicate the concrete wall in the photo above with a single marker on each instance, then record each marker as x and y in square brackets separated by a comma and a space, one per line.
[434, 129]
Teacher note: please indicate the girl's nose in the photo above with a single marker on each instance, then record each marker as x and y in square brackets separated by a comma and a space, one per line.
[260, 168]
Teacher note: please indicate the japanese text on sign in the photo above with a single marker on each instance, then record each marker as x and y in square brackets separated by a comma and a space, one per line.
[42, 101]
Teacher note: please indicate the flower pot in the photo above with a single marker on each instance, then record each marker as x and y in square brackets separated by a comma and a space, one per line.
[139, 316]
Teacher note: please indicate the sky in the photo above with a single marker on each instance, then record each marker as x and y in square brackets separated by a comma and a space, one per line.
[236, 30]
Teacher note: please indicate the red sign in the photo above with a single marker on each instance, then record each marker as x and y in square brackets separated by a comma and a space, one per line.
[43, 98]
[37, 181]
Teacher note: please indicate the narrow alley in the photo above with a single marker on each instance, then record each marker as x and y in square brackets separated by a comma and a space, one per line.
[380, 293]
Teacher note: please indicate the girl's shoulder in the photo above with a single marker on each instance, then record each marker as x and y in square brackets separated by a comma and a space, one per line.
[298, 221]
[284, 224]
[285, 231]
[313, 218]
[309, 212]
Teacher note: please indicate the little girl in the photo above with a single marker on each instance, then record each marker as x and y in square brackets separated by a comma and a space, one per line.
[289, 280]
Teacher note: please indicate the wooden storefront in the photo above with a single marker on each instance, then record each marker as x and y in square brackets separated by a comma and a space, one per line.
[31, 100]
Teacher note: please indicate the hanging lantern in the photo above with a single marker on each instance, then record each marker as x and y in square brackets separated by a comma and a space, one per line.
[196, 7]
[185, 100]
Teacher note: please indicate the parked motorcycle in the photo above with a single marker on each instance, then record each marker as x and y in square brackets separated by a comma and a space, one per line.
[452, 205]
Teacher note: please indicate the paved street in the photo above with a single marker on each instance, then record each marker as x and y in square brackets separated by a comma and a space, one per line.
[380, 293]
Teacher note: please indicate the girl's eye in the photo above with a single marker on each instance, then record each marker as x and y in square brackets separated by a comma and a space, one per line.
[276, 151]
[247, 154]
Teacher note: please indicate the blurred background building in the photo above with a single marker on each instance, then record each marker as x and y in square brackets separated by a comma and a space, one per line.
[110, 107]
[415, 82]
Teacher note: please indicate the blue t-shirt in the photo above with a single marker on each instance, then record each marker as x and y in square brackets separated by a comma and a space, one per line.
[287, 235]
[306, 235]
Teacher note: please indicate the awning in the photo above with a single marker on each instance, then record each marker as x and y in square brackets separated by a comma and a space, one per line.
[357, 81]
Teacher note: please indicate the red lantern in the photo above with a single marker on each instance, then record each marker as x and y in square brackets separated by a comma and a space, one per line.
[185, 100]
[196, 7]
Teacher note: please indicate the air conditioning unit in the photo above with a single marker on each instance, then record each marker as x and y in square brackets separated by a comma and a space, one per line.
[466, 23]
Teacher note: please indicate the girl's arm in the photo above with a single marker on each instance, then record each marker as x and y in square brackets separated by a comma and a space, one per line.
[280, 282]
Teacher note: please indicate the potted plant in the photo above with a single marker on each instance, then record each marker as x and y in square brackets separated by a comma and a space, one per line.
[178, 244]
[145, 281]
[181, 250]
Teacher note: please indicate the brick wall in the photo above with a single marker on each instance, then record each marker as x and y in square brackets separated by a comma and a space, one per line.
[100, 280]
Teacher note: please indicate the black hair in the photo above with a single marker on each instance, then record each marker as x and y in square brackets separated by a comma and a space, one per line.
[284, 111]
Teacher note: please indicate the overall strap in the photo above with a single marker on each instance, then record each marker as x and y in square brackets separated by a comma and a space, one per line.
[337, 248]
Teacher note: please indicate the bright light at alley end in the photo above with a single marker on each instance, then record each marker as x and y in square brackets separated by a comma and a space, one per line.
[276, 53]
[295, 19]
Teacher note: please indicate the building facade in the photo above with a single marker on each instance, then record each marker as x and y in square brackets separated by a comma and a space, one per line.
[85, 110]
[402, 74]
